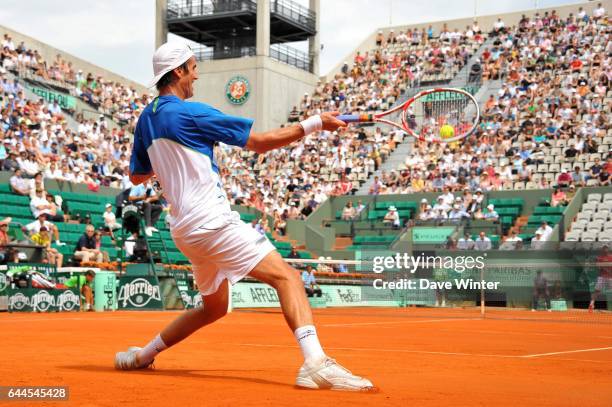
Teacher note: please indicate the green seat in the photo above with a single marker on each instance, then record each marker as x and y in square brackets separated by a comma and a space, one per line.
[406, 213]
[17, 200]
[549, 210]
[304, 254]
[367, 247]
[500, 203]
[508, 211]
[5, 188]
[247, 217]
[282, 245]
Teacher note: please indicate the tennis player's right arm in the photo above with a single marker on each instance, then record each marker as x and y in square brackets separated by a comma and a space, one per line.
[273, 139]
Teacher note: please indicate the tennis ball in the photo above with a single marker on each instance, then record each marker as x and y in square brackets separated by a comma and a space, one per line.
[447, 131]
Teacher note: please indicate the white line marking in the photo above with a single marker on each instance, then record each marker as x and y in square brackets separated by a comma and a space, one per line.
[84, 319]
[404, 322]
[565, 352]
[386, 350]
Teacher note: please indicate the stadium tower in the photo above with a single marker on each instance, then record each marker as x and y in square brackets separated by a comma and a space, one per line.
[246, 67]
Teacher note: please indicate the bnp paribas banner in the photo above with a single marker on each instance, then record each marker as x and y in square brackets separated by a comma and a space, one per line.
[49, 300]
[139, 293]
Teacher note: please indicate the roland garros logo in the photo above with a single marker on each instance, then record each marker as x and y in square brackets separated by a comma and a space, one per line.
[138, 293]
[237, 90]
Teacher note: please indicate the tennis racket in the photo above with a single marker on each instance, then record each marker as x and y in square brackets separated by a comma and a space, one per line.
[442, 115]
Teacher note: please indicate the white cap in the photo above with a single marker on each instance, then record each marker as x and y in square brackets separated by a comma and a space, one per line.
[490, 206]
[169, 56]
[108, 205]
[423, 200]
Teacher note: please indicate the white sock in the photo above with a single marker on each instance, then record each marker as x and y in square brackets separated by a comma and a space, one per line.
[153, 348]
[309, 343]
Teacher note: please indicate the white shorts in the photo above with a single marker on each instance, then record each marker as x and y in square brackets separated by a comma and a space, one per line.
[230, 252]
[603, 284]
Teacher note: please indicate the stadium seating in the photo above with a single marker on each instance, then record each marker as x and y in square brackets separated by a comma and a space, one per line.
[594, 221]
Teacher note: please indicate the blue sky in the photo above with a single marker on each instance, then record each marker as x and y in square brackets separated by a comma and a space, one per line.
[119, 34]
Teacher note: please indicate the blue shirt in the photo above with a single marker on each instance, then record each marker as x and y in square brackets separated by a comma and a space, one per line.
[175, 140]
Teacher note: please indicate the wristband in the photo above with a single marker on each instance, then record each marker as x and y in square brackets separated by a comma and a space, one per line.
[312, 124]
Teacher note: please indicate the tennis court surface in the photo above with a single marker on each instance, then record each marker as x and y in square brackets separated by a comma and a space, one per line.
[420, 357]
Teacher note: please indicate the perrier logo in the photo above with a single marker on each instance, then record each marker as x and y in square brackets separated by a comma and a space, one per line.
[237, 90]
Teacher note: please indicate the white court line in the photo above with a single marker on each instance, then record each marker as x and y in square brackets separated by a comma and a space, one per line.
[404, 322]
[565, 352]
[83, 319]
[385, 350]
[445, 353]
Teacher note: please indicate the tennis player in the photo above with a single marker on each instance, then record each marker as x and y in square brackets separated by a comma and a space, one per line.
[174, 140]
[604, 279]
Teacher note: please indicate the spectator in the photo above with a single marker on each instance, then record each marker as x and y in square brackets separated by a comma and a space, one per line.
[558, 197]
[512, 242]
[578, 177]
[564, 179]
[5, 239]
[39, 204]
[19, 185]
[41, 221]
[293, 254]
[98, 239]
[545, 230]
[392, 217]
[376, 186]
[349, 212]
[360, 207]
[482, 242]
[310, 283]
[538, 243]
[465, 242]
[42, 238]
[86, 249]
[146, 198]
[54, 212]
[85, 284]
[110, 220]
[491, 214]
[10, 163]
[36, 183]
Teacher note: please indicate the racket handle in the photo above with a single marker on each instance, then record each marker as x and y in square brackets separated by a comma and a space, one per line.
[355, 118]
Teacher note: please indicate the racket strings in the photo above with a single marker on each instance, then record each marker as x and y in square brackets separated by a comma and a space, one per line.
[442, 115]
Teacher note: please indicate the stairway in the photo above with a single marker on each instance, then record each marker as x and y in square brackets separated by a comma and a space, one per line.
[461, 78]
[397, 157]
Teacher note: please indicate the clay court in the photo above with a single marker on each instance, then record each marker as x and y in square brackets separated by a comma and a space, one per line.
[422, 357]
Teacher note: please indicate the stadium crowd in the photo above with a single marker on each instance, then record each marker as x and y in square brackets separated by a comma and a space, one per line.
[556, 81]
[548, 125]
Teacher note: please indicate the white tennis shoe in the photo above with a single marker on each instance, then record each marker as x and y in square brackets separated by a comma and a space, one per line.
[330, 375]
[128, 361]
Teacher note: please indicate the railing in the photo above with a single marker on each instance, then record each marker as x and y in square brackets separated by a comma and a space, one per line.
[192, 8]
[279, 52]
[295, 12]
[178, 9]
[291, 56]
[203, 53]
